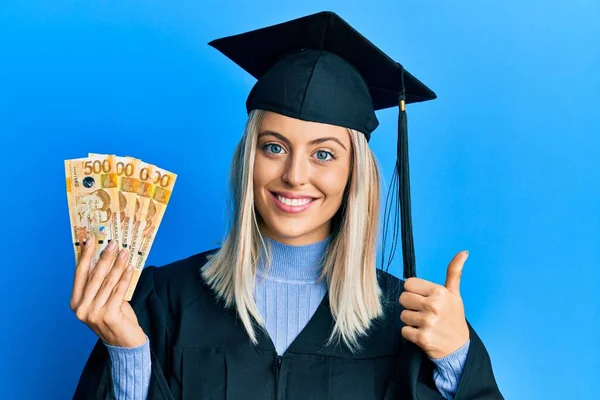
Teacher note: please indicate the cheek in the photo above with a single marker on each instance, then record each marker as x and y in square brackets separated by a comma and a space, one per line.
[259, 173]
[265, 171]
[333, 181]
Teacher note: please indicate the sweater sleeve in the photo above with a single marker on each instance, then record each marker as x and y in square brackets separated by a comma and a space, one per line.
[448, 371]
[130, 371]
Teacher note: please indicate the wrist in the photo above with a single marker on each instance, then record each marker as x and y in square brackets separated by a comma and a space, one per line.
[136, 342]
[453, 355]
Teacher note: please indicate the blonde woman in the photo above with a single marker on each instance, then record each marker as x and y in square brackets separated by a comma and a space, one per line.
[292, 304]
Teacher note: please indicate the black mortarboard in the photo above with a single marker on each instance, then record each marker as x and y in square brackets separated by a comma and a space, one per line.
[318, 68]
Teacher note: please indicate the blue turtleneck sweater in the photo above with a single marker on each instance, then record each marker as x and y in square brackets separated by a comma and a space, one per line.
[287, 295]
[288, 292]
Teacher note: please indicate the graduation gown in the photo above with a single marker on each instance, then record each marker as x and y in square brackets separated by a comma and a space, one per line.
[200, 350]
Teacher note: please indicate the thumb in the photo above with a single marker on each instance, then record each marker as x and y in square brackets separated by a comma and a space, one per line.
[455, 272]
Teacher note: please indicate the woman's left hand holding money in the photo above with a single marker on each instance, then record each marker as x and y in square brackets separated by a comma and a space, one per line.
[434, 314]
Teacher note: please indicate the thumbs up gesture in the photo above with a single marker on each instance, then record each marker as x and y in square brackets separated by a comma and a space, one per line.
[434, 315]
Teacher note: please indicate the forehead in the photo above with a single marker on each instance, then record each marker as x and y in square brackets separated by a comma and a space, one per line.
[298, 130]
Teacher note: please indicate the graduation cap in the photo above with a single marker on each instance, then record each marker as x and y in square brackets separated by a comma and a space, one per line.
[319, 68]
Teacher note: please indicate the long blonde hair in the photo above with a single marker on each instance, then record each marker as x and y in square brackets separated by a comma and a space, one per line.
[350, 260]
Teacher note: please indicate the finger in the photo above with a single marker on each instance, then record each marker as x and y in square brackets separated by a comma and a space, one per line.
[454, 272]
[118, 295]
[420, 286]
[410, 333]
[82, 270]
[413, 301]
[412, 318]
[111, 280]
[98, 274]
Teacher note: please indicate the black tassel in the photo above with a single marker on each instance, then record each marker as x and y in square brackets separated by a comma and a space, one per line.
[408, 246]
[400, 188]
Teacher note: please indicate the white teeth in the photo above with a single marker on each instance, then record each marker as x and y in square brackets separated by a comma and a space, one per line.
[293, 202]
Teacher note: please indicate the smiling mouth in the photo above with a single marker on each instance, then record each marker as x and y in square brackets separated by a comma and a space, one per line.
[292, 205]
[295, 201]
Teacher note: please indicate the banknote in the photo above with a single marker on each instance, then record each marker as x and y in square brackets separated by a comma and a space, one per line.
[163, 182]
[118, 198]
[78, 233]
[142, 205]
[127, 169]
[93, 199]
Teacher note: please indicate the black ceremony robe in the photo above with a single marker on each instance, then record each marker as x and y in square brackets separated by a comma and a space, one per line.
[200, 350]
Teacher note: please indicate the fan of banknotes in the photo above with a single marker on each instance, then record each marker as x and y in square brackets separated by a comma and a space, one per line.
[117, 198]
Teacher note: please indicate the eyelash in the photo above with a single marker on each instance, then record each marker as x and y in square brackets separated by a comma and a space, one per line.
[333, 155]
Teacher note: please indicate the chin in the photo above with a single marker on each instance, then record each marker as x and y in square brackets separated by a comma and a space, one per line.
[293, 232]
[306, 227]
[290, 231]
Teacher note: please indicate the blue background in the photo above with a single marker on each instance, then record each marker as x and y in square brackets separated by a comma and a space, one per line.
[504, 163]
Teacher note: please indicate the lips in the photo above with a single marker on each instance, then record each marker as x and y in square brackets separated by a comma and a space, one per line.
[290, 208]
[292, 196]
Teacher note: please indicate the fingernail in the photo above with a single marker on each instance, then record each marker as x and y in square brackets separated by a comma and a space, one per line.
[111, 246]
[467, 253]
[88, 240]
[123, 253]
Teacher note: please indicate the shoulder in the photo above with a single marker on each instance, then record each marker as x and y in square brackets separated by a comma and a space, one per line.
[178, 282]
[181, 273]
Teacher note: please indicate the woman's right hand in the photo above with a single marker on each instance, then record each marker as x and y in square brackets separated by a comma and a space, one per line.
[98, 298]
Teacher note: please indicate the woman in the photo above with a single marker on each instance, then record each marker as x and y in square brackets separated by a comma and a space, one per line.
[291, 306]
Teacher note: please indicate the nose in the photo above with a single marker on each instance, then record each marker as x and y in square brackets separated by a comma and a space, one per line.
[296, 172]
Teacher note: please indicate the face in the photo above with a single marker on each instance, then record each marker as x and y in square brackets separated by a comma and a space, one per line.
[92, 201]
[300, 173]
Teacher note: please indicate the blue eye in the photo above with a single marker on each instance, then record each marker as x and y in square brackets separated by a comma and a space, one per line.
[322, 155]
[273, 146]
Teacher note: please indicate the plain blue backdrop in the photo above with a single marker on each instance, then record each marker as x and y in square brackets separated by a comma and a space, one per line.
[504, 163]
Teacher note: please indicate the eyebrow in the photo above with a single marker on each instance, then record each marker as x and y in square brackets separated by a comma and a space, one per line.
[312, 142]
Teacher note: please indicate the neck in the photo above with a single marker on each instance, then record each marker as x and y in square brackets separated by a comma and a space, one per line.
[290, 262]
